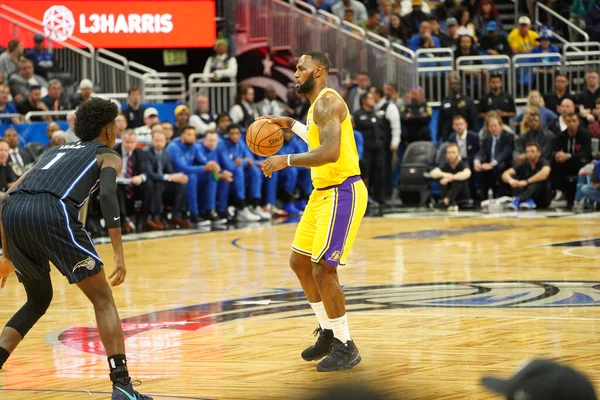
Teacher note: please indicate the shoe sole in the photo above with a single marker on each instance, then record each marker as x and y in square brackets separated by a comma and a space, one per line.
[342, 368]
[527, 208]
[314, 358]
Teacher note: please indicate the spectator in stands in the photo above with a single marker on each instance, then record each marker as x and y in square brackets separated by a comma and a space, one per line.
[58, 139]
[21, 82]
[548, 54]
[572, 150]
[561, 91]
[43, 59]
[54, 100]
[7, 177]
[465, 26]
[536, 133]
[348, 15]
[352, 94]
[391, 94]
[208, 200]
[566, 107]
[9, 60]
[587, 98]
[244, 112]
[182, 119]
[591, 191]
[168, 130]
[386, 10]
[290, 178]
[372, 22]
[271, 105]
[162, 178]
[71, 137]
[497, 100]
[522, 39]
[203, 118]
[486, 13]
[130, 184]
[389, 114]
[370, 125]
[223, 121]
[424, 39]
[20, 159]
[593, 121]
[465, 49]
[324, 5]
[298, 104]
[495, 43]
[6, 106]
[416, 116]
[86, 88]
[360, 11]
[50, 130]
[414, 19]
[466, 140]
[34, 102]
[134, 110]
[592, 20]
[398, 31]
[454, 176]
[529, 180]
[221, 67]
[455, 104]
[246, 176]
[120, 125]
[495, 156]
[450, 38]
[150, 118]
[535, 99]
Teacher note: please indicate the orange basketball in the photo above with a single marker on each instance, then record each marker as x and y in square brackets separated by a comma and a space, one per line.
[264, 138]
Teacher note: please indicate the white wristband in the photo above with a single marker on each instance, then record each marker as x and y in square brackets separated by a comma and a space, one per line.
[289, 157]
[300, 130]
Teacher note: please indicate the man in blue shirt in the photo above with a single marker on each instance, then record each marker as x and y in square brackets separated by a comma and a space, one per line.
[7, 107]
[290, 177]
[42, 58]
[187, 158]
[245, 171]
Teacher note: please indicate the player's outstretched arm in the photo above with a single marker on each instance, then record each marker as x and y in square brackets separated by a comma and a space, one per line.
[328, 115]
[111, 164]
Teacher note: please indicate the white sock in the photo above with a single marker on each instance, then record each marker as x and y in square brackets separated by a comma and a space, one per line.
[319, 310]
[340, 328]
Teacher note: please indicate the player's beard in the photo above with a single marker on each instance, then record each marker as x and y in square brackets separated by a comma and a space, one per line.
[307, 86]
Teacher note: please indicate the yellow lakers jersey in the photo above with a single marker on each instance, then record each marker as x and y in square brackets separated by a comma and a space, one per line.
[347, 164]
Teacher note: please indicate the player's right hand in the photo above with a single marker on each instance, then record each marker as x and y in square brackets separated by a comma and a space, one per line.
[284, 122]
[119, 272]
[6, 269]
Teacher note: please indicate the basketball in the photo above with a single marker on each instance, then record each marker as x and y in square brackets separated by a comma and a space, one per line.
[264, 138]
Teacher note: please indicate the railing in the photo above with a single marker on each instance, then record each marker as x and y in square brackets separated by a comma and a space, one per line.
[46, 114]
[10, 115]
[221, 95]
[539, 7]
[432, 66]
[475, 72]
[163, 86]
[579, 58]
[533, 71]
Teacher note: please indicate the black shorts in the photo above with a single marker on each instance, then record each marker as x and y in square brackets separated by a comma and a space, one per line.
[41, 228]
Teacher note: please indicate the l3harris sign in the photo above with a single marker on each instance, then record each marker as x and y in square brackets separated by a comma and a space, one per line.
[126, 24]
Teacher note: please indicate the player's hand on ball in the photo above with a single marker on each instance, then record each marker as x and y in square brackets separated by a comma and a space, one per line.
[6, 269]
[119, 272]
[274, 163]
[284, 122]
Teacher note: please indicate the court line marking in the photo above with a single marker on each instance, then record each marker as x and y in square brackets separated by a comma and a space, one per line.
[538, 317]
[90, 392]
[568, 252]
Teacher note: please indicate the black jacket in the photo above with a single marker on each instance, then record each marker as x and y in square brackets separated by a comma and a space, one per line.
[504, 149]
[583, 146]
[153, 161]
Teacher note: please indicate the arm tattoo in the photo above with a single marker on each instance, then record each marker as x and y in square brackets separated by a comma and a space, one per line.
[328, 119]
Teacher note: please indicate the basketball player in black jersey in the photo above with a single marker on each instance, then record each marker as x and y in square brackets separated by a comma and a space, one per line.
[39, 223]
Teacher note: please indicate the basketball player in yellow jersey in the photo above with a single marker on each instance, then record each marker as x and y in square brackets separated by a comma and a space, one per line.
[334, 211]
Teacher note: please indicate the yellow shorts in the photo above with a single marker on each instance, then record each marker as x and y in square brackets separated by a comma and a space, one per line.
[331, 220]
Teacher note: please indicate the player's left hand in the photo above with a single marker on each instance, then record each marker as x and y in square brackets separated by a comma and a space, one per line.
[6, 269]
[274, 163]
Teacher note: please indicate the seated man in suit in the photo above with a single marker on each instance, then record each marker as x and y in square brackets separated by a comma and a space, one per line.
[494, 157]
[535, 133]
[20, 160]
[454, 176]
[529, 180]
[161, 177]
[467, 140]
[572, 150]
[131, 183]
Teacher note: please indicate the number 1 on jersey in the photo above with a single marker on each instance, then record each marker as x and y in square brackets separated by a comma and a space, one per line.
[54, 160]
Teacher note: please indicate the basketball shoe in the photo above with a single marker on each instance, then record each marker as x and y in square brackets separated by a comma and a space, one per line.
[342, 356]
[321, 347]
[123, 390]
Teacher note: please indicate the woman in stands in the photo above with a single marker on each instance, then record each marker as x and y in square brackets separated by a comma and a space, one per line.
[486, 12]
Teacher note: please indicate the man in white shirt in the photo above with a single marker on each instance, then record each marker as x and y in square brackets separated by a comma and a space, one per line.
[221, 67]
[10, 58]
[203, 119]
[390, 115]
[566, 107]
[360, 11]
[25, 79]
[150, 118]
[244, 112]
[271, 105]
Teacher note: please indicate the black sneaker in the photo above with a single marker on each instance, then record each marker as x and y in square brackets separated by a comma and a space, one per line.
[215, 218]
[123, 390]
[321, 347]
[342, 356]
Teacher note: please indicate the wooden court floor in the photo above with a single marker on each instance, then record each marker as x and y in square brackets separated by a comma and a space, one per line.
[435, 303]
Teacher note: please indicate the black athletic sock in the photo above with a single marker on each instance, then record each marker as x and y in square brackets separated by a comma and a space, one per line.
[240, 204]
[118, 367]
[255, 202]
[4, 354]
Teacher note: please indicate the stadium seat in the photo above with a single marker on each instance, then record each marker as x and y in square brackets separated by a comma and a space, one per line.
[418, 158]
[441, 154]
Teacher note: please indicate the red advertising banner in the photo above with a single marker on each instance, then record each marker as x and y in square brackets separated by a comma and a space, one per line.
[126, 24]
